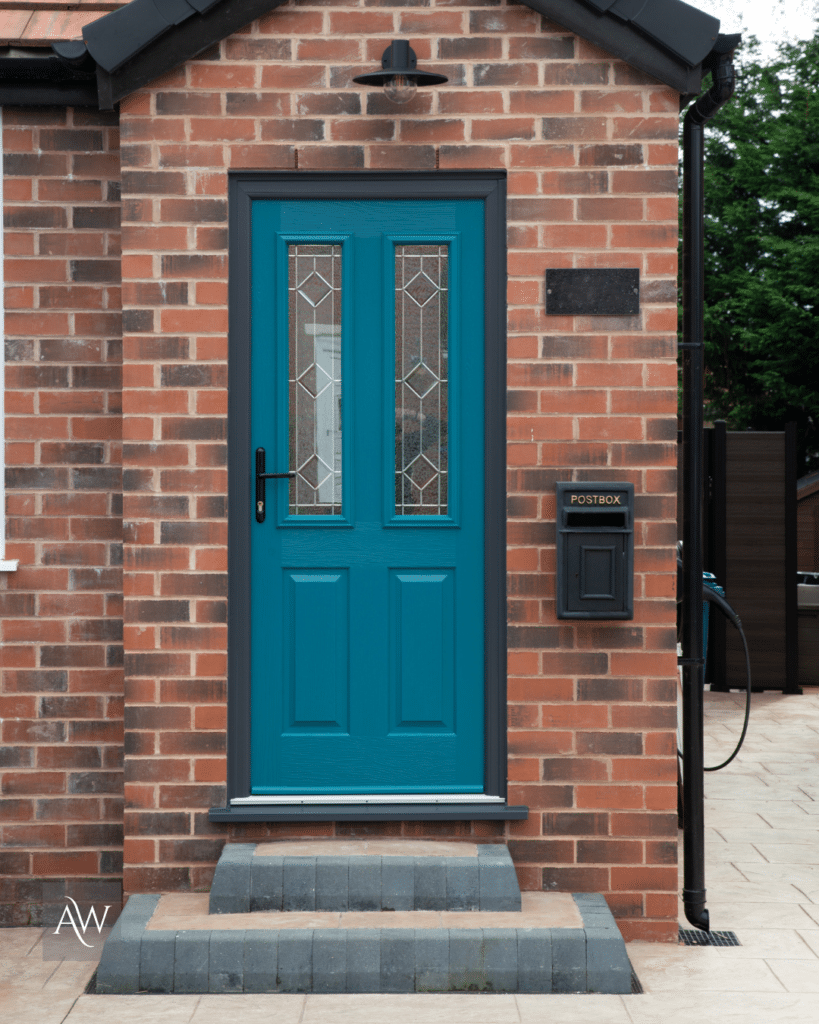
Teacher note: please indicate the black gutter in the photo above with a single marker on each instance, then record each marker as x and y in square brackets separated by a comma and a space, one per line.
[703, 109]
[63, 75]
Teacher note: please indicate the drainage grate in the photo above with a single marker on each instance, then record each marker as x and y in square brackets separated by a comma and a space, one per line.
[690, 937]
[636, 987]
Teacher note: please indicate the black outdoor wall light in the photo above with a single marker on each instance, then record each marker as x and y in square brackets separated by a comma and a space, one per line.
[399, 73]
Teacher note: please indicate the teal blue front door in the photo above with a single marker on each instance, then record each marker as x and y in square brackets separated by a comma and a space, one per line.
[367, 565]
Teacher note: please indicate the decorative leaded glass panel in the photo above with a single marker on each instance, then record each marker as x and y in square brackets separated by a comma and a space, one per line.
[421, 379]
[314, 325]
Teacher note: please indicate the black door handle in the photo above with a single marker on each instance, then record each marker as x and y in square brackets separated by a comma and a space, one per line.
[261, 476]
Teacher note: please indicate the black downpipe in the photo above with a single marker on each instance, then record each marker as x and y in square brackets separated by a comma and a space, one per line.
[692, 401]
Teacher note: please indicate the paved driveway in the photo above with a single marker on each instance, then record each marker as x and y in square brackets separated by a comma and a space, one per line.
[762, 874]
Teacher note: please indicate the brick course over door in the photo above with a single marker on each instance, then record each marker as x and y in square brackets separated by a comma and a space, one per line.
[61, 681]
[590, 147]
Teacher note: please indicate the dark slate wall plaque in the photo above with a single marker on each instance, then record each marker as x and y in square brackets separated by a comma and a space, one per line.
[592, 291]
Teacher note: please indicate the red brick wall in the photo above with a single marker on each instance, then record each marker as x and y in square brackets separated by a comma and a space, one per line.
[591, 154]
[590, 147]
[61, 656]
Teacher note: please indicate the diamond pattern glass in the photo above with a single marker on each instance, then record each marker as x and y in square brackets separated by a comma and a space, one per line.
[421, 379]
[314, 325]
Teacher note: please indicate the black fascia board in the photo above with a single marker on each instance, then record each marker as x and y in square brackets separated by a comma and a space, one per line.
[624, 41]
[43, 78]
[178, 43]
[114, 39]
[28, 93]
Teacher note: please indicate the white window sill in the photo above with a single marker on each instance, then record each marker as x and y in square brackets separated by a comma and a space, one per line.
[9, 564]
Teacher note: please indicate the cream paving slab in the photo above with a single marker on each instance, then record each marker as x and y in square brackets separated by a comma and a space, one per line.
[71, 976]
[366, 848]
[574, 1009]
[769, 943]
[768, 835]
[31, 972]
[761, 796]
[698, 968]
[777, 757]
[189, 911]
[19, 1007]
[716, 1008]
[810, 936]
[145, 1009]
[743, 892]
[812, 910]
[798, 976]
[18, 942]
[722, 852]
[790, 853]
[807, 806]
[244, 1008]
[412, 1008]
[800, 875]
[719, 817]
[727, 915]
[723, 873]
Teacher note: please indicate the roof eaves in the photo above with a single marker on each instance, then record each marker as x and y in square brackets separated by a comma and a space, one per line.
[136, 43]
[130, 54]
[667, 39]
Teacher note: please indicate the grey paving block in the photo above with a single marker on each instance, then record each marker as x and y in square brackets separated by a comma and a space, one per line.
[299, 883]
[593, 910]
[431, 960]
[397, 883]
[261, 961]
[500, 959]
[156, 960]
[364, 883]
[499, 889]
[493, 850]
[430, 883]
[329, 960]
[462, 890]
[332, 884]
[568, 960]
[397, 960]
[190, 965]
[608, 968]
[226, 963]
[118, 970]
[266, 883]
[230, 890]
[363, 960]
[534, 959]
[466, 973]
[295, 969]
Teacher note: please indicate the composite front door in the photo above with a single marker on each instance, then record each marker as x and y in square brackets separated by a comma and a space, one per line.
[367, 563]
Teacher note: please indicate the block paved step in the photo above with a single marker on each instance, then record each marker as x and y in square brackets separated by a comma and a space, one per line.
[338, 875]
[557, 942]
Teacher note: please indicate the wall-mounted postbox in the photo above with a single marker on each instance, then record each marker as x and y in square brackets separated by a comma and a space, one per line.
[595, 551]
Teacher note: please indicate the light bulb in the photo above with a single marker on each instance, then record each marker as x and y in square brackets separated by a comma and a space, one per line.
[400, 88]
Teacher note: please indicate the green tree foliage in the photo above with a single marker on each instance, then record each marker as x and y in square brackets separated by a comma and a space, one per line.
[762, 248]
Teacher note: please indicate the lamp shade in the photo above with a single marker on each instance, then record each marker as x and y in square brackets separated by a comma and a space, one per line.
[399, 60]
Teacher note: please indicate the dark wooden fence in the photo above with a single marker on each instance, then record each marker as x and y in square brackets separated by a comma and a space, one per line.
[749, 543]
